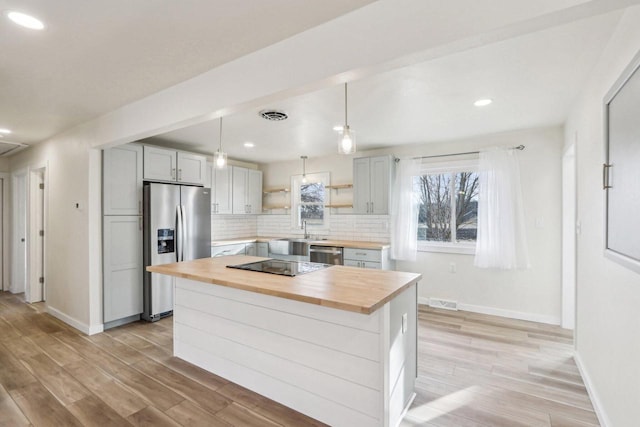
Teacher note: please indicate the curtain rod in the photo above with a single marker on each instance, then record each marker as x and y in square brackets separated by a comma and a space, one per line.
[519, 147]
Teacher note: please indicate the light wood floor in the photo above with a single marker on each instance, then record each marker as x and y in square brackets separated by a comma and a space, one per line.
[474, 370]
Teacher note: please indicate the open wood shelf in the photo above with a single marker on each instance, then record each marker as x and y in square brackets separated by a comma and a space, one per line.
[339, 186]
[276, 190]
[341, 205]
[269, 208]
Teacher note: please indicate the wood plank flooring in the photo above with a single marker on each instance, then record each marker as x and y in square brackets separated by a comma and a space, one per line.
[474, 370]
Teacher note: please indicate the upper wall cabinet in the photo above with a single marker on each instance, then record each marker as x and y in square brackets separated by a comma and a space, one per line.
[371, 184]
[247, 190]
[122, 180]
[221, 189]
[162, 164]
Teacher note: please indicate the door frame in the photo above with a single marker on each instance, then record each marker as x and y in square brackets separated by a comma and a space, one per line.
[4, 232]
[569, 247]
[35, 258]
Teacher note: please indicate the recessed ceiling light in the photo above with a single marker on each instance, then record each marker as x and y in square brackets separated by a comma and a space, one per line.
[483, 102]
[25, 20]
[5, 131]
[249, 144]
[338, 128]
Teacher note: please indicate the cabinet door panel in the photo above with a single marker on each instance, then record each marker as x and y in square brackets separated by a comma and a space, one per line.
[262, 249]
[122, 180]
[380, 177]
[223, 190]
[254, 192]
[122, 267]
[361, 185]
[192, 168]
[159, 164]
[239, 183]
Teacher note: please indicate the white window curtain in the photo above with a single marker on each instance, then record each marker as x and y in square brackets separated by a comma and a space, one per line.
[404, 211]
[501, 241]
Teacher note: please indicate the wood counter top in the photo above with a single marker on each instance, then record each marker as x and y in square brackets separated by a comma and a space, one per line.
[340, 243]
[345, 288]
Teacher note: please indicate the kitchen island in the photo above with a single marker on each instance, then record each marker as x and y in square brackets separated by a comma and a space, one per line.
[338, 344]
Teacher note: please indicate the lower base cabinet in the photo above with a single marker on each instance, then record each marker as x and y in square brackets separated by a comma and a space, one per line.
[122, 270]
[367, 258]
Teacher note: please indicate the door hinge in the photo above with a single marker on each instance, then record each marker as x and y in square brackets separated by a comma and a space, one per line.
[41, 280]
[42, 186]
[41, 233]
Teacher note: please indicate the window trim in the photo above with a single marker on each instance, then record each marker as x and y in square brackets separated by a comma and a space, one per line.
[444, 167]
[296, 181]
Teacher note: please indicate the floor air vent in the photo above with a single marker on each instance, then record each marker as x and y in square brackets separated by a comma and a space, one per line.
[443, 303]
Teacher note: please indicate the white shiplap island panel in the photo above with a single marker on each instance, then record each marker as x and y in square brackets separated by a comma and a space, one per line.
[342, 367]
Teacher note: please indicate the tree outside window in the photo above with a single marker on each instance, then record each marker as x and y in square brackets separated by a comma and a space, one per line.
[448, 207]
[311, 207]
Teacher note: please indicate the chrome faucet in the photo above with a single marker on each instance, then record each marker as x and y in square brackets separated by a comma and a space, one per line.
[304, 227]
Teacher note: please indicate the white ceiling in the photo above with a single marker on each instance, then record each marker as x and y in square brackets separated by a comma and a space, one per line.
[533, 79]
[96, 56]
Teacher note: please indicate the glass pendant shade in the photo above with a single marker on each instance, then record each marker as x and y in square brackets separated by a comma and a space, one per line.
[347, 141]
[220, 157]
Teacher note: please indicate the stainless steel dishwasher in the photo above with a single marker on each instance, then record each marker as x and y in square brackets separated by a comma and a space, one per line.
[326, 254]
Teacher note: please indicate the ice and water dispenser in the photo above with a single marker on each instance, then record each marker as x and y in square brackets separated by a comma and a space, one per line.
[166, 240]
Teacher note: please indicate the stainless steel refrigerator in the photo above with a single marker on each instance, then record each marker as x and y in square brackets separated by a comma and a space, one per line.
[177, 227]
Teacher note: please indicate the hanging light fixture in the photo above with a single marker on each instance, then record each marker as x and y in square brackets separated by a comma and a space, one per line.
[347, 141]
[220, 157]
[304, 169]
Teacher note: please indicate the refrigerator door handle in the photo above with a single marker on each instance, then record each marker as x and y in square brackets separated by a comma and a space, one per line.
[179, 232]
[184, 234]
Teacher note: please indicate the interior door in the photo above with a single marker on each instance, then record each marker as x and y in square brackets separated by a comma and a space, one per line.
[19, 234]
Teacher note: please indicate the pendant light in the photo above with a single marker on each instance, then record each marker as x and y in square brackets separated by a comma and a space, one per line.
[347, 141]
[304, 169]
[220, 157]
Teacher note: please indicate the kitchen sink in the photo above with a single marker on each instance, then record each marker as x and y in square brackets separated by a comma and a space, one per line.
[290, 246]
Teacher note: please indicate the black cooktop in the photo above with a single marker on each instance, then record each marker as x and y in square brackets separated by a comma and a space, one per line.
[281, 267]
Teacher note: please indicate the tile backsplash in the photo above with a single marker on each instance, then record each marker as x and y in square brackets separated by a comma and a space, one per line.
[367, 228]
[233, 226]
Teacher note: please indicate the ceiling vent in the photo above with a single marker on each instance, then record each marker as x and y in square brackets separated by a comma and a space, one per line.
[274, 115]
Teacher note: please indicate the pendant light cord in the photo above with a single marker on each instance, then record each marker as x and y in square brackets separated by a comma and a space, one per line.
[220, 147]
[346, 122]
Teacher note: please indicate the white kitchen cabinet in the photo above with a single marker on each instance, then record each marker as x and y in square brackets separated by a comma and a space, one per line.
[372, 184]
[250, 249]
[367, 258]
[262, 249]
[221, 189]
[164, 164]
[122, 180]
[224, 250]
[191, 168]
[247, 190]
[123, 267]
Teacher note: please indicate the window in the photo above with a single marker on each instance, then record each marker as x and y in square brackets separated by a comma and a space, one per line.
[448, 207]
[309, 199]
[311, 207]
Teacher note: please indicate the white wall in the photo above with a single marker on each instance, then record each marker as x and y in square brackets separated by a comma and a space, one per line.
[533, 294]
[608, 306]
[67, 264]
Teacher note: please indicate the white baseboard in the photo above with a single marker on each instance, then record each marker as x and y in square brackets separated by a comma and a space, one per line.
[532, 317]
[82, 327]
[595, 399]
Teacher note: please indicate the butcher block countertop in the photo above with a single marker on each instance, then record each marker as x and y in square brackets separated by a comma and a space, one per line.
[345, 288]
[340, 243]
